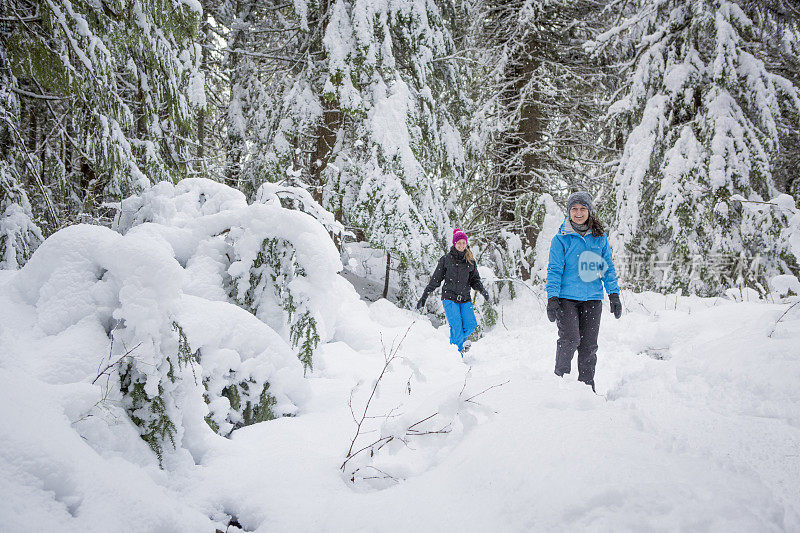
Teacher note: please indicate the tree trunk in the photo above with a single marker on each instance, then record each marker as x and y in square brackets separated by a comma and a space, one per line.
[33, 128]
[68, 149]
[235, 148]
[326, 139]
[332, 116]
[388, 271]
[201, 114]
[519, 162]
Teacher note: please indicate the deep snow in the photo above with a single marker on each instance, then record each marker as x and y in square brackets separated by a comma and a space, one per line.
[697, 428]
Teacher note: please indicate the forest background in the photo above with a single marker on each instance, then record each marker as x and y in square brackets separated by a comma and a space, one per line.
[406, 118]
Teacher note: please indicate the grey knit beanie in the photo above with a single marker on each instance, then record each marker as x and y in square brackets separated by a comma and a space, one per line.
[580, 197]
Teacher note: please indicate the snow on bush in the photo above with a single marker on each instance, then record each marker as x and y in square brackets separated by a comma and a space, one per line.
[279, 264]
[212, 308]
[19, 234]
[785, 285]
[131, 287]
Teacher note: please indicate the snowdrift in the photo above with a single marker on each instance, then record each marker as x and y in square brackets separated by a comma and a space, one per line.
[127, 357]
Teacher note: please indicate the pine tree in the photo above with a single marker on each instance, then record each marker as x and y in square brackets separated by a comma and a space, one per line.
[19, 233]
[778, 24]
[351, 100]
[699, 116]
[533, 130]
[105, 99]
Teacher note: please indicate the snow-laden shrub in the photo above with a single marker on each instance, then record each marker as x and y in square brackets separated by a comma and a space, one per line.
[19, 234]
[181, 359]
[279, 264]
[299, 199]
[249, 374]
[131, 286]
[212, 307]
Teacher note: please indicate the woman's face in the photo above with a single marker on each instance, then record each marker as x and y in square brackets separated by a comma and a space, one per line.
[461, 245]
[578, 213]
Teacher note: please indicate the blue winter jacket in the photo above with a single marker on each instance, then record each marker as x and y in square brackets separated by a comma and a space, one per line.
[580, 265]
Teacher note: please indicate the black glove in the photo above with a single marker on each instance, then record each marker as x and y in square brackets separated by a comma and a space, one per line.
[486, 297]
[421, 302]
[553, 308]
[616, 305]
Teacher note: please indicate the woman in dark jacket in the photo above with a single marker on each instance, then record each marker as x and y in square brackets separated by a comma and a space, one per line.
[580, 268]
[460, 273]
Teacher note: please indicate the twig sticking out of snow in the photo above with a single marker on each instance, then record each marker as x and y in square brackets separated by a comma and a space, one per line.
[106, 372]
[388, 358]
[412, 430]
[109, 366]
[775, 326]
[538, 298]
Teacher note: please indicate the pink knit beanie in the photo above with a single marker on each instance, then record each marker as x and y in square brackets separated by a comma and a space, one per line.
[458, 235]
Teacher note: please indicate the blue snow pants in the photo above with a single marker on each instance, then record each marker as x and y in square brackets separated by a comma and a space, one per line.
[461, 318]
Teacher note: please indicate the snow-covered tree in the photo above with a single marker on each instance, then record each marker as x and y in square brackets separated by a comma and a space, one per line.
[106, 91]
[354, 105]
[19, 233]
[533, 129]
[778, 23]
[699, 114]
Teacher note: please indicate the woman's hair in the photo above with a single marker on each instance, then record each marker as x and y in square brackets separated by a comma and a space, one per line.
[468, 256]
[596, 226]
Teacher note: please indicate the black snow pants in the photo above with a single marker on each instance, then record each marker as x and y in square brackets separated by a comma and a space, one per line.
[578, 326]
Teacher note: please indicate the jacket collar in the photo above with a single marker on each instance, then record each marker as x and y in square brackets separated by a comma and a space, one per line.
[461, 256]
[567, 229]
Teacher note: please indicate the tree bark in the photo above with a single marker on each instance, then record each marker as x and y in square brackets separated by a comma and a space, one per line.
[388, 271]
[201, 114]
[326, 140]
[332, 116]
[519, 163]
[235, 148]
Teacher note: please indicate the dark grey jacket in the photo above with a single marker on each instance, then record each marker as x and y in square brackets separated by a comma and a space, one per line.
[459, 276]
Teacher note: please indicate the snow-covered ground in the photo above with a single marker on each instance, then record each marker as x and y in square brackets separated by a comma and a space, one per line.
[696, 427]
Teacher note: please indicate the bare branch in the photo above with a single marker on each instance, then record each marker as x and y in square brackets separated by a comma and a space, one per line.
[781, 318]
[388, 357]
[115, 363]
[23, 92]
[487, 389]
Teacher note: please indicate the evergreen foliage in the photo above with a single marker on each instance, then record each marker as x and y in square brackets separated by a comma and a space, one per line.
[269, 290]
[700, 113]
[154, 413]
[534, 121]
[355, 107]
[149, 414]
[391, 121]
[105, 99]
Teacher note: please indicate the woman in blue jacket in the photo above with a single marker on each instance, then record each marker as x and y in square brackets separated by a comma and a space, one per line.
[458, 270]
[580, 266]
